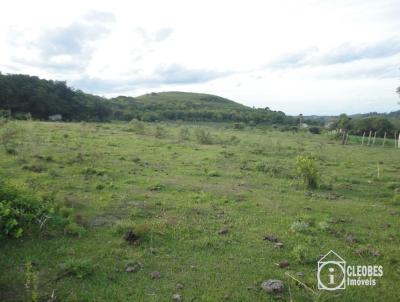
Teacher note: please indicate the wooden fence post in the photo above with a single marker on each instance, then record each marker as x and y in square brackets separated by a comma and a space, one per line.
[398, 142]
[369, 137]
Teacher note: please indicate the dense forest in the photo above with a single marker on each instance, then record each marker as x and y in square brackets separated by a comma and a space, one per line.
[24, 95]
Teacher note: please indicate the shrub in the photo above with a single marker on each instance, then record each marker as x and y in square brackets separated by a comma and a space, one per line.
[184, 134]
[307, 169]
[299, 254]
[18, 210]
[300, 227]
[8, 136]
[136, 126]
[314, 130]
[203, 137]
[77, 268]
[159, 132]
[238, 126]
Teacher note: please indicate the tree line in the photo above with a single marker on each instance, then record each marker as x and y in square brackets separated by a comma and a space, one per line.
[24, 95]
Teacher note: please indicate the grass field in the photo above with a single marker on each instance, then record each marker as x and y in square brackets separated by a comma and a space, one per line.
[201, 206]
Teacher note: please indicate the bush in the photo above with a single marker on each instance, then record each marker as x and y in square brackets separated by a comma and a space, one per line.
[184, 134]
[159, 132]
[8, 136]
[18, 210]
[136, 126]
[203, 137]
[314, 130]
[78, 268]
[307, 169]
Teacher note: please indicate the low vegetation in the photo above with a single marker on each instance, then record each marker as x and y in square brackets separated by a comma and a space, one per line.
[144, 212]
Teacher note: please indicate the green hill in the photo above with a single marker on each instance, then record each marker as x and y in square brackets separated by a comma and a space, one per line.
[186, 100]
[24, 95]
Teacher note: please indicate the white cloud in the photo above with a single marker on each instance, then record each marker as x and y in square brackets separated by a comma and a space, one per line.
[297, 56]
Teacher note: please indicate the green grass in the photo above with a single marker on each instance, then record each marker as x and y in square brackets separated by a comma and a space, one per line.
[178, 194]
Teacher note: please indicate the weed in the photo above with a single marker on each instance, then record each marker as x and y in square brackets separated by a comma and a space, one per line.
[307, 169]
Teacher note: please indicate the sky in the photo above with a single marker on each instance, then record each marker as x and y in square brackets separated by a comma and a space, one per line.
[301, 56]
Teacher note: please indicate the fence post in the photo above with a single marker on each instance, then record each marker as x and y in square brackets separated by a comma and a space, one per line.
[369, 137]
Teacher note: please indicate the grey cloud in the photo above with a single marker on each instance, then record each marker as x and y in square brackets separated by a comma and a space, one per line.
[69, 48]
[344, 53]
[178, 74]
[348, 52]
[157, 36]
[163, 33]
[164, 75]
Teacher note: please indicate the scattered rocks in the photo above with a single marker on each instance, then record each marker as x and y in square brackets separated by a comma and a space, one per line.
[350, 239]
[283, 264]
[271, 238]
[177, 297]
[132, 268]
[272, 286]
[155, 275]
[223, 231]
[131, 237]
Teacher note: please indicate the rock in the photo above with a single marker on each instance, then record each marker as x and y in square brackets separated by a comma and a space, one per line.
[227, 297]
[132, 268]
[179, 286]
[155, 275]
[279, 245]
[350, 239]
[272, 286]
[271, 238]
[283, 264]
[131, 237]
[223, 231]
[177, 297]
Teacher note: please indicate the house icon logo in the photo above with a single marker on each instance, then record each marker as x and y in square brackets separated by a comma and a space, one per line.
[331, 272]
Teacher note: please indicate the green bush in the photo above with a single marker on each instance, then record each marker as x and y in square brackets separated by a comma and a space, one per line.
[184, 134]
[18, 211]
[307, 169]
[203, 137]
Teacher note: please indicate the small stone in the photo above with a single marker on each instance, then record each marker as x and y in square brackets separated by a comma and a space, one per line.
[283, 264]
[179, 286]
[272, 286]
[155, 275]
[177, 297]
[131, 237]
[223, 231]
[350, 239]
[132, 268]
[271, 238]
[227, 297]
[279, 245]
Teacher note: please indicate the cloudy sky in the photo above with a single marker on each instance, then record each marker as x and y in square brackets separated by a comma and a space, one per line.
[299, 56]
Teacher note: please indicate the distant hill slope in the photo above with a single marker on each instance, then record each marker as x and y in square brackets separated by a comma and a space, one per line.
[189, 100]
[23, 94]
